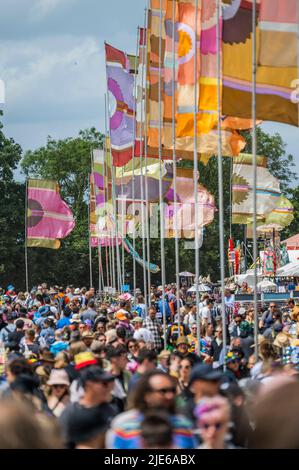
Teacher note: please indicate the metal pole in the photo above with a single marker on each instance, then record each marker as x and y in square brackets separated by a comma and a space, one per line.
[26, 247]
[220, 181]
[122, 225]
[195, 177]
[148, 248]
[254, 162]
[89, 235]
[176, 229]
[141, 174]
[133, 165]
[162, 224]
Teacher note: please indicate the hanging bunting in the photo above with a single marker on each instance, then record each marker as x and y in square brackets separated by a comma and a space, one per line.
[49, 218]
[154, 269]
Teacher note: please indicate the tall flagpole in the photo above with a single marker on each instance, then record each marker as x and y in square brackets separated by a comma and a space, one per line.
[162, 224]
[107, 257]
[26, 247]
[195, 177]
[220, 179]
[254, 154]
[141, 173]
[148, 248]
[123, 222]
[133, 165]
[176, 229]
[89, 240]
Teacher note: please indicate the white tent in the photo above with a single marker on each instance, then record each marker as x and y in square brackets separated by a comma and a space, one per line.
[266, 285]
[289, 270]
[201, 288]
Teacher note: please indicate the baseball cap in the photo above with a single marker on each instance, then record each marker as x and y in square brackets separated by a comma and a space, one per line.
[95, 374]
[205, 372]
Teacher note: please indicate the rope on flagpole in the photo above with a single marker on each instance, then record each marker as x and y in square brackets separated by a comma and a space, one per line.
[162, 225]
[195, 178]
[175, 201]
[220, 178]
[254, 154]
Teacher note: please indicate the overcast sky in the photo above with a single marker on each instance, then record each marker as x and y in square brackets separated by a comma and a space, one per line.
[52, 61]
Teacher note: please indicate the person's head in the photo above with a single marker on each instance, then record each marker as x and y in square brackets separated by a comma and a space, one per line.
[218, 332]
[238, 320]
[213, 416]
[185, 370]
[97, 384]
[117, 357]
[101, 327]
[194, 330]
[147, 359]
[87, 338]
[182, 345]
[205, 381]
[17, 367]
[272, 307]
[24, 429]
[276, 418]
[232, 361]
[156, 431]
[20, 325]
[154, 390]
[59, 383]
[132, 346]
[30, 335]
[152, 312]
[102, 339]
[137, 322]
[164, 358]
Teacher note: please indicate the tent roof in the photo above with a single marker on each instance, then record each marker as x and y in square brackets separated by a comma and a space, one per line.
[292, 242]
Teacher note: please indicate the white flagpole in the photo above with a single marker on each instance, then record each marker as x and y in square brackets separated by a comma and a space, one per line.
[254, 153]
[162, 223]
[26, 247]
[176, 229]
[89, 240]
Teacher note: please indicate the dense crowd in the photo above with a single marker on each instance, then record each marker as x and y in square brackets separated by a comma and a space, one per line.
[81, 370]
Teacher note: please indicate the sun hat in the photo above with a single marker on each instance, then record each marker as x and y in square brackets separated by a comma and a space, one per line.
[282, 340]
[182, 340]
[137, 319]
[165, 354]
[58, 377]
[87, 334]
[84, 359]
[75, 318]
[121, 316]
[111, 336]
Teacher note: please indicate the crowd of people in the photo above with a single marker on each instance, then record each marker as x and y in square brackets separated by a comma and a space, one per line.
[81, 370]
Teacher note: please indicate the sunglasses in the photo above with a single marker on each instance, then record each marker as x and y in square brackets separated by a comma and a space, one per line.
[216, 425]
[165, 390]
[58, 386]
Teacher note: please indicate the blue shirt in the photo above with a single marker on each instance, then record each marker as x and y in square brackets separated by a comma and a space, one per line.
[64, 321]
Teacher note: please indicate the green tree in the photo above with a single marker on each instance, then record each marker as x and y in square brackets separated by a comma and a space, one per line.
[11, 210]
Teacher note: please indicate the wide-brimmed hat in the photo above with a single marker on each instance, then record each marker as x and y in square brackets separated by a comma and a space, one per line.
[121, 315]
[282, 340]
[87, 334]
[76, 318]
[58, 377]
[111, 336]
[137, 320]
[164, 354]
[182, 340]
[84, 359]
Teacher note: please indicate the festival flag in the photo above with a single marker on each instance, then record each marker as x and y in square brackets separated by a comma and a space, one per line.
[49, 218]
[186, 207]
[275, 85]
[268, 189]
[279, 21]
[154, 269]
[280, 218]
[120, 83]
[232, 142]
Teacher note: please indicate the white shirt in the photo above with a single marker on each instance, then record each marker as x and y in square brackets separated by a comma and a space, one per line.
[206, 314]
[145, 334]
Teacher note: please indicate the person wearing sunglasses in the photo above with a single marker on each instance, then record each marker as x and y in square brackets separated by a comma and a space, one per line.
[213, 420]
[183, 388]
[155, 391]
[59, 396]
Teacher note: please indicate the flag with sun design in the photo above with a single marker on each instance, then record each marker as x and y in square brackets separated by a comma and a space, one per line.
[49, 218]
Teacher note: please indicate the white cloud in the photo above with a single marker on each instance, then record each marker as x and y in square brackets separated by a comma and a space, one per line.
[42, 8]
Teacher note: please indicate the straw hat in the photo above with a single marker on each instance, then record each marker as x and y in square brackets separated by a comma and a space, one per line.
[282, 340]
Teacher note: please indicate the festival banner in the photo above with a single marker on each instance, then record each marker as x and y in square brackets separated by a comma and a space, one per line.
[275, 84]
[268, 190]
[49, 218]
[120, 83]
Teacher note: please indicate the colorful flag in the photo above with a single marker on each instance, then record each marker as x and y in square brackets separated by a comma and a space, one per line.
[120, 83]
[281, 217]
[279, 21]
[49, 218]
[129, 249]
[268, 189]
[275, 85]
